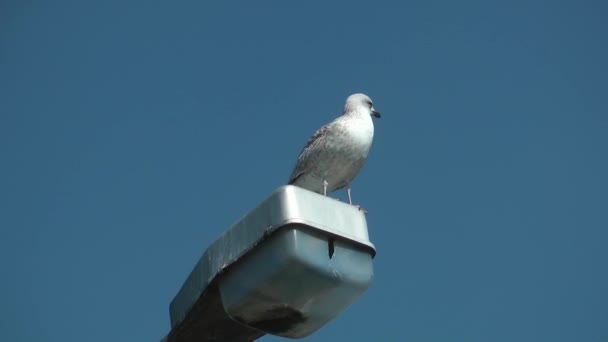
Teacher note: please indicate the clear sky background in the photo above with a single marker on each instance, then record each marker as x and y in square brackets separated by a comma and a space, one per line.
[132, 134]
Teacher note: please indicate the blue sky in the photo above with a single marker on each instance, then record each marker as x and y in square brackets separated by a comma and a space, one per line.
[132, 134]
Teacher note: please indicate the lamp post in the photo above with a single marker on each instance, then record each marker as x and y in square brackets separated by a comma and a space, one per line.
[287, 268]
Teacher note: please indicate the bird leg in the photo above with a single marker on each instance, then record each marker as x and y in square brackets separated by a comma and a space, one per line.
[350, 200]
[325, 187]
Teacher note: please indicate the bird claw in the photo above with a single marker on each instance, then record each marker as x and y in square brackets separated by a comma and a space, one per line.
[361, 209]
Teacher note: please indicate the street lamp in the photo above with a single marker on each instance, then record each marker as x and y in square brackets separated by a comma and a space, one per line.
[287, 268]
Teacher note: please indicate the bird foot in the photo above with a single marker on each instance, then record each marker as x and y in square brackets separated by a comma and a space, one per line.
[361, 209]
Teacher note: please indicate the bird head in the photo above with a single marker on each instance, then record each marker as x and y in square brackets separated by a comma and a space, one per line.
[360, 102]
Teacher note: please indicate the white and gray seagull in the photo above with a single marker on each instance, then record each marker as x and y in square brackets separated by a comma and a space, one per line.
[335, 154]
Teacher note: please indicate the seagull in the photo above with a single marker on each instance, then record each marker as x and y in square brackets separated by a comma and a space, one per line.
[335, 154]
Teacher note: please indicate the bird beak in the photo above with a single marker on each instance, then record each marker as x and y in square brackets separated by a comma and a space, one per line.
[375, 113]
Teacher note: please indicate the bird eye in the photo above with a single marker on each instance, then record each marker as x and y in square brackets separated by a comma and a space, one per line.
[369, 103]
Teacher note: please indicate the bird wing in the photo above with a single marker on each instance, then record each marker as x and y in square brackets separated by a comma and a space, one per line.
[309, 152]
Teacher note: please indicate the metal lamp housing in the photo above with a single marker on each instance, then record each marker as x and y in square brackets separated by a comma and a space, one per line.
[289, 266]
